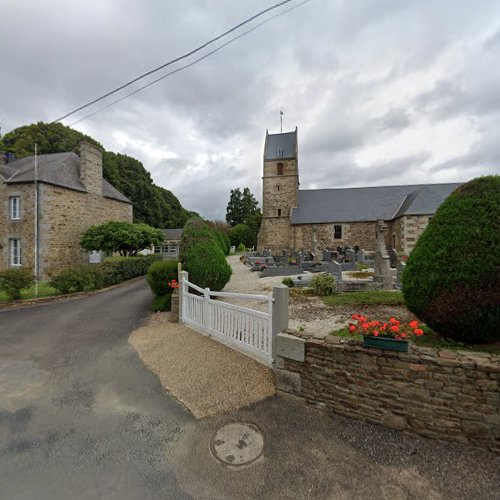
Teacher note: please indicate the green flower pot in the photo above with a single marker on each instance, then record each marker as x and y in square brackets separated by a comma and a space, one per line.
[386, 343]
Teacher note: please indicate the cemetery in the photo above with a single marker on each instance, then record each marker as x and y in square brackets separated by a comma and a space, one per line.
[384, 267]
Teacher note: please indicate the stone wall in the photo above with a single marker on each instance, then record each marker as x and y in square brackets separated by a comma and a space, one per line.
[444, 394]
[279, 196]
[65, 215]
[320, 236]
[413, 227]
[22, 228]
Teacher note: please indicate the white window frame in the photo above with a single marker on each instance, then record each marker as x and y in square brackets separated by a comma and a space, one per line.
[15, 207]
[15, 252]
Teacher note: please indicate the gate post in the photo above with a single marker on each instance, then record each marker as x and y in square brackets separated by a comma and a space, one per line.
[183, 288]
[279, 313]
[207, 311]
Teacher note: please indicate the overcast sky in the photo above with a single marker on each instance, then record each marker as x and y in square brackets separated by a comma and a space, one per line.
[382, 91]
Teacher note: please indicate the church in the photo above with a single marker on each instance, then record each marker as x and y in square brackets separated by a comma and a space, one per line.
[316, 219]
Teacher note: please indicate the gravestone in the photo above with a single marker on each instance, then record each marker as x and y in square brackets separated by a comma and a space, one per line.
[336, 269]
[393, 257]
[382, 259]
[400, 269]
[327, 255]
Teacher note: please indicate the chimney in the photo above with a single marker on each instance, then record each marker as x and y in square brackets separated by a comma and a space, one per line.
[91, 168]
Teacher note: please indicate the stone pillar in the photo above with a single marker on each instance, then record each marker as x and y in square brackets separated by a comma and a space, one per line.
[280, 312]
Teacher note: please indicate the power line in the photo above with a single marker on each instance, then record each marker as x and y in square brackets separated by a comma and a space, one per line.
[177, 59]
[177, 70]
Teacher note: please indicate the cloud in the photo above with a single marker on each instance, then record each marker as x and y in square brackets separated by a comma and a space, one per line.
[382, 92]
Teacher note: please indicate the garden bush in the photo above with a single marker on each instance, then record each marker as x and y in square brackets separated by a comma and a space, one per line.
[81, 278]
[323, 284]
[160, 274]
[202, 256]
[12, 281]
[162, 303]
[223, 240]
[87, 277]
[452, 275]
[288, 282]
[241, 248]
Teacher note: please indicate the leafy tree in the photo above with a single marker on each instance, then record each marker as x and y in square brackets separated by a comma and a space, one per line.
[123, 237]
[241, 206]
[241, 234]
[153, 204]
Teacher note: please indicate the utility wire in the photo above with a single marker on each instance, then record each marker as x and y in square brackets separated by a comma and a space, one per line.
[177, 70]
[177, 59]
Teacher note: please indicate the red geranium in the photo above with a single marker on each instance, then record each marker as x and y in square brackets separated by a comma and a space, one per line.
[393, 328]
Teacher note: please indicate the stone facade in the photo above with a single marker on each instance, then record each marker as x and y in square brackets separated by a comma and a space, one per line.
[452, 395]
[63, 215]
[317, 237]
[280, 195]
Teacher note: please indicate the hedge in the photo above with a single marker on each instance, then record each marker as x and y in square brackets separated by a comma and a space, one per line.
[160, 274]
[12, 281]
[88, 277]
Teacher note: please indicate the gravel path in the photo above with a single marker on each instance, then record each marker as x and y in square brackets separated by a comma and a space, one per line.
[205, 375]
[307, 313]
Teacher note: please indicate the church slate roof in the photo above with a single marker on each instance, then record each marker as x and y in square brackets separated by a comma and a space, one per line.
[58, 169]
[366, 204]
[279, 146]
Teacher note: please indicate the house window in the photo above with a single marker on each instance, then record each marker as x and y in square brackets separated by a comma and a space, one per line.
[280, 168]
[157, 249]
[279, 212]
[15, 207]
[337, 232]
[278, 187]
[15, 251]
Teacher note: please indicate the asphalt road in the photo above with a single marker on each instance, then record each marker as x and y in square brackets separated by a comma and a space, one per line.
[80, 414]
[81, 417]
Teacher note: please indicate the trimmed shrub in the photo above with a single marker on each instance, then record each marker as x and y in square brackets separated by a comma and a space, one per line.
[12, 281]
[87, 277]
[241, 248]
[160, 274]
[82, 278]
[202, 256]
[223, 240]
[323, 284]
[162, 303]
[452, 275]
[288, 282]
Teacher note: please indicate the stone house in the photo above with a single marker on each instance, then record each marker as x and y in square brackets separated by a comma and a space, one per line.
[72, 195]
[170, 245]
[315, 219]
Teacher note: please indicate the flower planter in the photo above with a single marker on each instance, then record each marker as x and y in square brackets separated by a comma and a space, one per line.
[386, 343]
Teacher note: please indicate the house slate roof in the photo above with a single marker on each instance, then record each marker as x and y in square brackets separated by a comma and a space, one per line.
[58, 169]
[286, 142]
[173, 234]
[366, 204]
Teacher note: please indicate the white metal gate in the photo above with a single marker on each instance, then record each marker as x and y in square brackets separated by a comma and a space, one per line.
[246, 329]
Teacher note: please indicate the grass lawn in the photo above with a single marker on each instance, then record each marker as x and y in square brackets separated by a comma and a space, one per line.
[432, 339]
[375, 297]
[44, 290]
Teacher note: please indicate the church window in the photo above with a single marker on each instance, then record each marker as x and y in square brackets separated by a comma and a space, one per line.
[280, 168]
[280, 152]
[278, 186]
[279, 212]
[337, 231]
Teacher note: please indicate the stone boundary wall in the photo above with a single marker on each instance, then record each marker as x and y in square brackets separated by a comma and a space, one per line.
[443, 394]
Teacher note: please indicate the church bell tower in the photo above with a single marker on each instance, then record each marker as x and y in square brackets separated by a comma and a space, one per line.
[280, 190]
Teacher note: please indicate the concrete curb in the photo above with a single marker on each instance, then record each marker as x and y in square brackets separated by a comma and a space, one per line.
[20, 304]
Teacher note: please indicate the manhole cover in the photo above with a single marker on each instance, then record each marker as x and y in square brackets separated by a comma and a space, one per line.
[237, 444]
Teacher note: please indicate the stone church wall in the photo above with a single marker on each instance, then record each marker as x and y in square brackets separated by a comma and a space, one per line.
[320, 236]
